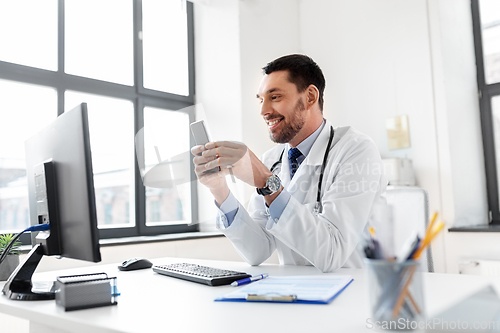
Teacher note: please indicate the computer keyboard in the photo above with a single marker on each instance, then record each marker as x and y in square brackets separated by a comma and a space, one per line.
[201, 274]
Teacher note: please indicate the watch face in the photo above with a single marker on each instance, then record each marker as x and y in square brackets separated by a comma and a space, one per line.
[273, 183]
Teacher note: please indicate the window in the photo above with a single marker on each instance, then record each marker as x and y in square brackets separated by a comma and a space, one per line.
[160, 128]
[162, 32]
[486, 25]
[21, 43]
[112, 155]
[95, 48]
[20, 118]
[58, 54]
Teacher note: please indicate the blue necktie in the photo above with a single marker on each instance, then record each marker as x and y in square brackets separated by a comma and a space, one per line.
[293, 155]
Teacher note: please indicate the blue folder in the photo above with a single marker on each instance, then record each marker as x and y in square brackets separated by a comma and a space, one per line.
[310, 289]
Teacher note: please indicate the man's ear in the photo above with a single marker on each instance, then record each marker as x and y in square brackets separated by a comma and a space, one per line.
[312, 95]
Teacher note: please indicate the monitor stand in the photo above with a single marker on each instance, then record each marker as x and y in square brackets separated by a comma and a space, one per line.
[19, 285]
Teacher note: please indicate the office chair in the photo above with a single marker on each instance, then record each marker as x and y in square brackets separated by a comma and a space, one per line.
[410, 209]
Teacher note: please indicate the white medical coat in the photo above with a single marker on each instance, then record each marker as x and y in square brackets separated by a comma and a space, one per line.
[352, 184]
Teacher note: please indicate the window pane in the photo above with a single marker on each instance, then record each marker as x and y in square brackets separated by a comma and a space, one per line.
[28, 32]
[490, 25]
[99, 40]
[25, 110]
[168, 131]
[165, 46]
[111, 125]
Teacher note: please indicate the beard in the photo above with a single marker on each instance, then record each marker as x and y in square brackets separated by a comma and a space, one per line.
[291, 125]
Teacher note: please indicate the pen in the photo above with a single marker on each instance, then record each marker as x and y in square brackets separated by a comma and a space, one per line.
[373, 250]
[250, 279]
[269, 298]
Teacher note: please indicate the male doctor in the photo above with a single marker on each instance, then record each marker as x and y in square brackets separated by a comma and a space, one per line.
[312, 160]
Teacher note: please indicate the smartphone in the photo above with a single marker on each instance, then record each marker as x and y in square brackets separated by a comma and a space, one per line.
[200, 132]
[201, 137]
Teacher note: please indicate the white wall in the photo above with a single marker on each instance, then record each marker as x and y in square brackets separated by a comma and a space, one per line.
[381, 58]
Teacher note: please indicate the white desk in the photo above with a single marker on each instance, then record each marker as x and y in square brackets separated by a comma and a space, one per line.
[150, 302]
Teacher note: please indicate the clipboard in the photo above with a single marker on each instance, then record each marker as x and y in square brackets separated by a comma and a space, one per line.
[308, 289]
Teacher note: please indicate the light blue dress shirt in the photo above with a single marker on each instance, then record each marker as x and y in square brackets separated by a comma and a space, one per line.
[230, 206]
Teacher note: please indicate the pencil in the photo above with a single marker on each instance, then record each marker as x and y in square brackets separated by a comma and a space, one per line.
[402, 295]
[428, 239]
[430, 235]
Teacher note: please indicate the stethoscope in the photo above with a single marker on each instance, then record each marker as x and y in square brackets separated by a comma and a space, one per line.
[317, 208]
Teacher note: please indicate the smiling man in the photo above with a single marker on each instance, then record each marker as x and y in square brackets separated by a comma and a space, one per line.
[315, 190]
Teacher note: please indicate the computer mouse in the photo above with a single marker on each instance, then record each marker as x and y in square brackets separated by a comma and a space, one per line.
[135, 263]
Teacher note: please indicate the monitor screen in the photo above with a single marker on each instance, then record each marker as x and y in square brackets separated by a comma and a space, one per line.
[66, 143]
[61, 193]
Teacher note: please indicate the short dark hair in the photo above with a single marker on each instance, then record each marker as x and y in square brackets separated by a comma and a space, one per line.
[302, 71]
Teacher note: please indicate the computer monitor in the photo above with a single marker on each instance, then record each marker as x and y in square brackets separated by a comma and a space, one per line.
[61, 193]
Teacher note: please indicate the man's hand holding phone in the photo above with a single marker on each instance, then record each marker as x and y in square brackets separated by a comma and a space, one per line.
[214, 160]
[200, 162]
[201, 138]
[235, 156]
[212, 178]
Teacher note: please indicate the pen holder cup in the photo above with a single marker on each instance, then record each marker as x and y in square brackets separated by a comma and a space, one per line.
[396, 294]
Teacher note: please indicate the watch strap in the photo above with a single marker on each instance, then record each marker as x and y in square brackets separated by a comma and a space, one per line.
[264, 191]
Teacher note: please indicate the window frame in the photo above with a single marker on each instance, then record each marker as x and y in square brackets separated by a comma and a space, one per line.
[485, 93]
[137, 94]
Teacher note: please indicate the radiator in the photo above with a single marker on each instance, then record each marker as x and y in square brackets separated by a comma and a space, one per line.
[480, 267]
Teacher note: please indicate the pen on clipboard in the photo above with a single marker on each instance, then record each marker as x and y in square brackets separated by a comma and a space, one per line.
[250, 279]
[271, 298]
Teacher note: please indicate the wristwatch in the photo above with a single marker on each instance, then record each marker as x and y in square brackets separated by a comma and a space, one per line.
[273, 185]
